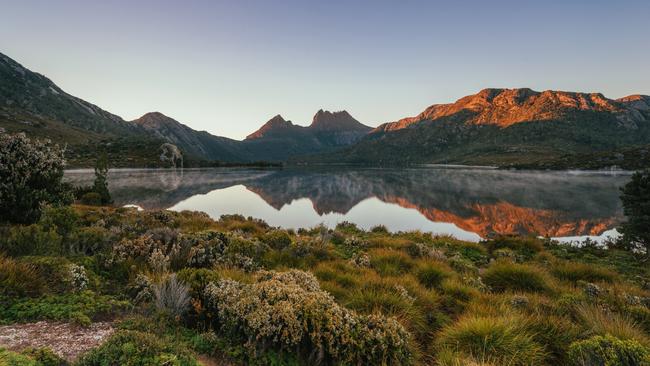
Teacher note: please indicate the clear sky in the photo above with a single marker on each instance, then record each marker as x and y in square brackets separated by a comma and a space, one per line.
[228, 66]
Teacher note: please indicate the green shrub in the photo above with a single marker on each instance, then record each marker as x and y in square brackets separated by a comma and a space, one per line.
[501, 340]
[289, 311]
[431, 275]
[527, 247]
[31, 240]
[474, 252]
[133, 348]
[505, 276]
[575, 271]
[379, 229]
[89, 241]
[608, 351]
[9, 358]
[277, 239]
[19, 279]
[64, 220]
[59, 307]
[31, 173]
[44, 357]
[91, 199]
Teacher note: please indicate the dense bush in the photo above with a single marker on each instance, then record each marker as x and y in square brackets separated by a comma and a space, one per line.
[78, 307]
[526, 247]
[133, 348]
[506, 276]
[31, 175]
[608, 351]
[288, 310]
[636, 206]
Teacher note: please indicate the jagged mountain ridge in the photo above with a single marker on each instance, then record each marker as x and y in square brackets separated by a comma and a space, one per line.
[506, 107]
[279, 139]
[506, 127]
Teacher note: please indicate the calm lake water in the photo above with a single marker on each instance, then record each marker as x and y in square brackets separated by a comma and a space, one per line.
[467, 203]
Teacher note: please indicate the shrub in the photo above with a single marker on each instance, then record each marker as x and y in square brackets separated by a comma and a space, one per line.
[44, 357]
[91, 199]
[9, 358]
[31, 240]
[137, 348]
[636, 206]
[172, 295]
[89, 240]
[576, 271]
[504, 276]
[608, 351]
[379, 229]
[288, 310]
[527, 247]
[277, 239]
[59, 307]
[431, 275]
[19, 279]
[501, 340]
[31, 173]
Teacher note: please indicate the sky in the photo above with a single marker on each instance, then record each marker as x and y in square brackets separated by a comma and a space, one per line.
[229, 66]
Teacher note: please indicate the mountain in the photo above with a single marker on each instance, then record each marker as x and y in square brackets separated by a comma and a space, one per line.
[199, 144]
[279, 139]
[506, 127]
[24, 92]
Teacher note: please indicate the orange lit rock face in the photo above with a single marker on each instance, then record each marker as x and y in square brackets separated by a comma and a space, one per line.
[505, 107]
[507, 219]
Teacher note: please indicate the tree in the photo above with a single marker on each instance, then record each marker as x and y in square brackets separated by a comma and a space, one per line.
[31, 174]
[101, 180]
[636, 206]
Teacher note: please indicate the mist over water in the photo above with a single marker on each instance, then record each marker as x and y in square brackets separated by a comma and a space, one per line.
[467, 203]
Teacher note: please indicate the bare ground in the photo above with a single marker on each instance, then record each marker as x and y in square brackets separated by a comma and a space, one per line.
[65, 339]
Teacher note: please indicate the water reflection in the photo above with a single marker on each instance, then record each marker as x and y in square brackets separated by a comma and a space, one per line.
[467, 203]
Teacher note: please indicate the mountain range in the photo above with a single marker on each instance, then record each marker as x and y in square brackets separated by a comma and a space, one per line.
[501, 127]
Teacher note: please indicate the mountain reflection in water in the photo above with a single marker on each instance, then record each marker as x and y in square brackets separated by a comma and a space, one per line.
[466, 203]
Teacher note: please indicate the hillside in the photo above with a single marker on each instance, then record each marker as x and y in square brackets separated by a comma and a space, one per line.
[506, 127]
[199, 144]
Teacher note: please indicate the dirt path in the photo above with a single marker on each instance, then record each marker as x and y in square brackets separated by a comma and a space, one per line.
[66, 340]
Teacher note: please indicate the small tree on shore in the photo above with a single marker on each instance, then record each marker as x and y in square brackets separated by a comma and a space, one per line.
[101, 180]
[31, 174]
[636, 206]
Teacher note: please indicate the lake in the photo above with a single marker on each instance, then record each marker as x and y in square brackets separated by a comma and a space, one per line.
[467, 203]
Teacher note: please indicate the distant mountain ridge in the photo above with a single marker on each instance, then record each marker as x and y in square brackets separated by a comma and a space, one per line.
[501, 127]
[33, 104]
[279, 139]
[506, 107]
[509, 128]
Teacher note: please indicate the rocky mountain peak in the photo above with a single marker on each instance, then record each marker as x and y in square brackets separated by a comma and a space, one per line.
[336, 121]
[275, 124]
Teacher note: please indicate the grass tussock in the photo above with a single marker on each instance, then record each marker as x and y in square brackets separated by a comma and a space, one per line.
[507, 276]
